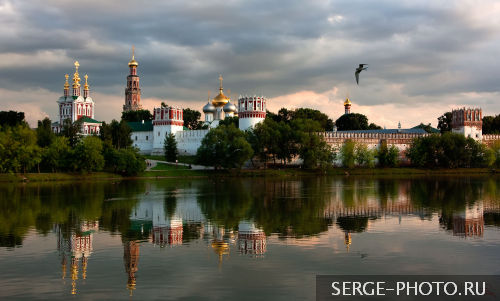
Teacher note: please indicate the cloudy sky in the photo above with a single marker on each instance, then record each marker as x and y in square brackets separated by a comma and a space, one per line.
[425, 57]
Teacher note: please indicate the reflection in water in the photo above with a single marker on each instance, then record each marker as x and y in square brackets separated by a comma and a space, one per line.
[75, 245]
[131, 261]
[225, 214]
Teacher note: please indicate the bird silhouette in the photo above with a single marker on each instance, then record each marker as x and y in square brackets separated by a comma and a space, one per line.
[358, 71]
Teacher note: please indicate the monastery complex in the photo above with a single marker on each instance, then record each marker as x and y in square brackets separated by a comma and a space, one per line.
[149, 135]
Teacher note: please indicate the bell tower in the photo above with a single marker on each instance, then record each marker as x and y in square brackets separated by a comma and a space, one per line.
[132, 91]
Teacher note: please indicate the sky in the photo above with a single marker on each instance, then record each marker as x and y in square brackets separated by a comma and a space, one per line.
[425, 57]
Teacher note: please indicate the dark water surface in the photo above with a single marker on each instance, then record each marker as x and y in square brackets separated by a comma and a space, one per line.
[239, 239]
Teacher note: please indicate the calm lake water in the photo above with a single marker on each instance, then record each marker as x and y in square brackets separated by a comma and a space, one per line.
[239, 239]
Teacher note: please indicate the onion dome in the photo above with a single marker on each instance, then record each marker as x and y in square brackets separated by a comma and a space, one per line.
[347, 102]
[209, 108]
[229, 107]
[220, 99]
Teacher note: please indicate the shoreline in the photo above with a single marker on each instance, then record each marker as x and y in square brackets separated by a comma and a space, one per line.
[286, 172]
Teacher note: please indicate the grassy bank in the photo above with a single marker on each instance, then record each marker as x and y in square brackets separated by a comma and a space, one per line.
[57, 176]
[170, 171]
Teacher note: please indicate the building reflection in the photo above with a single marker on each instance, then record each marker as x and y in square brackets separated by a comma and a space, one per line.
[131, 261]
[251, 240]
[75, 247]
[469, 222]
[220, 241]
[169, 219]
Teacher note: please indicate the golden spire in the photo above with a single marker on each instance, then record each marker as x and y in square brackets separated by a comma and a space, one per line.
[76, 76]
[86, 86]
[66, 84]
[220, 79]
[208, 96]
[133, 62]
[347, 240]
[74, 275]
[84, 267]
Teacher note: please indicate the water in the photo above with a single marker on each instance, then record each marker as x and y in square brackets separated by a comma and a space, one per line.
[239, 239]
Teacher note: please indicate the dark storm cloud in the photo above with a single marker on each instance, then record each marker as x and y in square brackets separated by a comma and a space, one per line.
[274, 47]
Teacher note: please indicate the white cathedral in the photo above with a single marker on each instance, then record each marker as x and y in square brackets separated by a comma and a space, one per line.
[76, 107]
[149, 136]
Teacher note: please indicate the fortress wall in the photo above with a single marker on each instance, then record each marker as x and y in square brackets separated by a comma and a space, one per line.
[489, 139]
[188, 142]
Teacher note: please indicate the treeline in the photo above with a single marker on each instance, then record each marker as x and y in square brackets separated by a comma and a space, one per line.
[281, 142]
[25, 150]
[278, 143]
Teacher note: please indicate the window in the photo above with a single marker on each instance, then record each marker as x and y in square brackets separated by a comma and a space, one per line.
[136, 138]
[158, 134]
[147, 137]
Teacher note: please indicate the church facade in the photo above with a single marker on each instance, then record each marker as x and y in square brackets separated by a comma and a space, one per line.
[77, 107]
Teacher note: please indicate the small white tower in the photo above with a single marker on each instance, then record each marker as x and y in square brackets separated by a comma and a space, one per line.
[251, 110]
[166, 120]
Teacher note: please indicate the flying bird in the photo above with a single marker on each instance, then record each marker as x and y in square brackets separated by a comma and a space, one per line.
[358, 71]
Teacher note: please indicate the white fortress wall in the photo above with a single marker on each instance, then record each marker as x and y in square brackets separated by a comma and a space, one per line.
[188, 142]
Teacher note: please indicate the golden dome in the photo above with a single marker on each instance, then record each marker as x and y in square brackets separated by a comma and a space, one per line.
[220, 99]
[133, 62]
[347, 102]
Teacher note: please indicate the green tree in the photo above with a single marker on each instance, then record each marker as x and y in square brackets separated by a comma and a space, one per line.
[426, 127]
[444, 122]
[138, 115]
[11, 119]
[191, 119]
[353, 121]
[224, 146]
[373, 126]
[120, 133]
[325, 123]
[230, 120]
[363, 156]
[88, 156]
[106, 133]
[72, 131]
[313, 149]
[495, 148]
[57, 155]
[387, 156]
[450, 151]
[170, 147]
[129, 161]
[44, 132]
[347, 153]
[491, 125]
[18, 149]
[262, 139]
